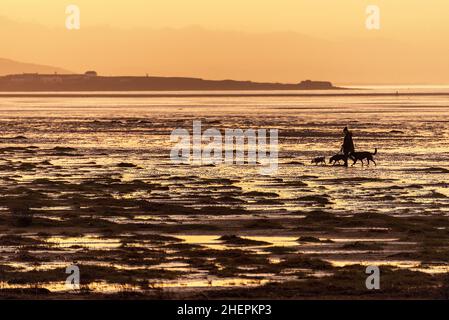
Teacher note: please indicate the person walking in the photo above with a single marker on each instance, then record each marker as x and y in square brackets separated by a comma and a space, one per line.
[348, 145]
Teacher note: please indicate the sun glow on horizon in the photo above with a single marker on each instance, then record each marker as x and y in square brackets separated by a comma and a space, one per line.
[286, 40]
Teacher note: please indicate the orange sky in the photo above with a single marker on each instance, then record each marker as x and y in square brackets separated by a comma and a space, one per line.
[265, 40]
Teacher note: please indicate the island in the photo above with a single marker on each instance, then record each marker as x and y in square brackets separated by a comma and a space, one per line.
[91, 81]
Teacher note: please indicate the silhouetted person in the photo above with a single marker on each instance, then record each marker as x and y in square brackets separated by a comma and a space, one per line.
[348, 145]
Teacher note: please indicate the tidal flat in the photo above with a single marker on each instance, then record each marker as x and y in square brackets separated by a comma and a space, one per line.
[89, 182]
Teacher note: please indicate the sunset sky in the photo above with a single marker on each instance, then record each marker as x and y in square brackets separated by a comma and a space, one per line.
[264, 40]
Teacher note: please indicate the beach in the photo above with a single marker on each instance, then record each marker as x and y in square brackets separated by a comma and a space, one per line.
[88, 181]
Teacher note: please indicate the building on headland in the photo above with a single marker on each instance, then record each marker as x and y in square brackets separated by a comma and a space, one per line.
[91, 73]
[47, 78]
[309, 84]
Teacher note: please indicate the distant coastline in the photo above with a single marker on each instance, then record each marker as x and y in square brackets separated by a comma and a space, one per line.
[90, 85]
[200, 94]
[90, 81]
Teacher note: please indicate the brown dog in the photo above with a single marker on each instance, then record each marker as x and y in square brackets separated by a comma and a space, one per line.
[356, 156]
[337, 158]
[319, 160]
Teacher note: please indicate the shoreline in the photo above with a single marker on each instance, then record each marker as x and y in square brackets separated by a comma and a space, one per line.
[210, 95]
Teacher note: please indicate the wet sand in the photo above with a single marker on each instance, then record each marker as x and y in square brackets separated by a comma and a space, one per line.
[89, 181]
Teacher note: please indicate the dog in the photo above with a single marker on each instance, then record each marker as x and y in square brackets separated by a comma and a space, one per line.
[356, 156]
[337, 158]
[319, 160]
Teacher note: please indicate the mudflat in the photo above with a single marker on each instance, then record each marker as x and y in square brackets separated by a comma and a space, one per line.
[89, 182]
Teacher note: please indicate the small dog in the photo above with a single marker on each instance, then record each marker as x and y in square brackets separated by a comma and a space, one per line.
[355, 156]
[337, 158]
[319, 160]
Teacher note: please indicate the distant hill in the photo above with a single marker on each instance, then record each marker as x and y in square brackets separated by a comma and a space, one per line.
[14, 67]
[90, 81]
